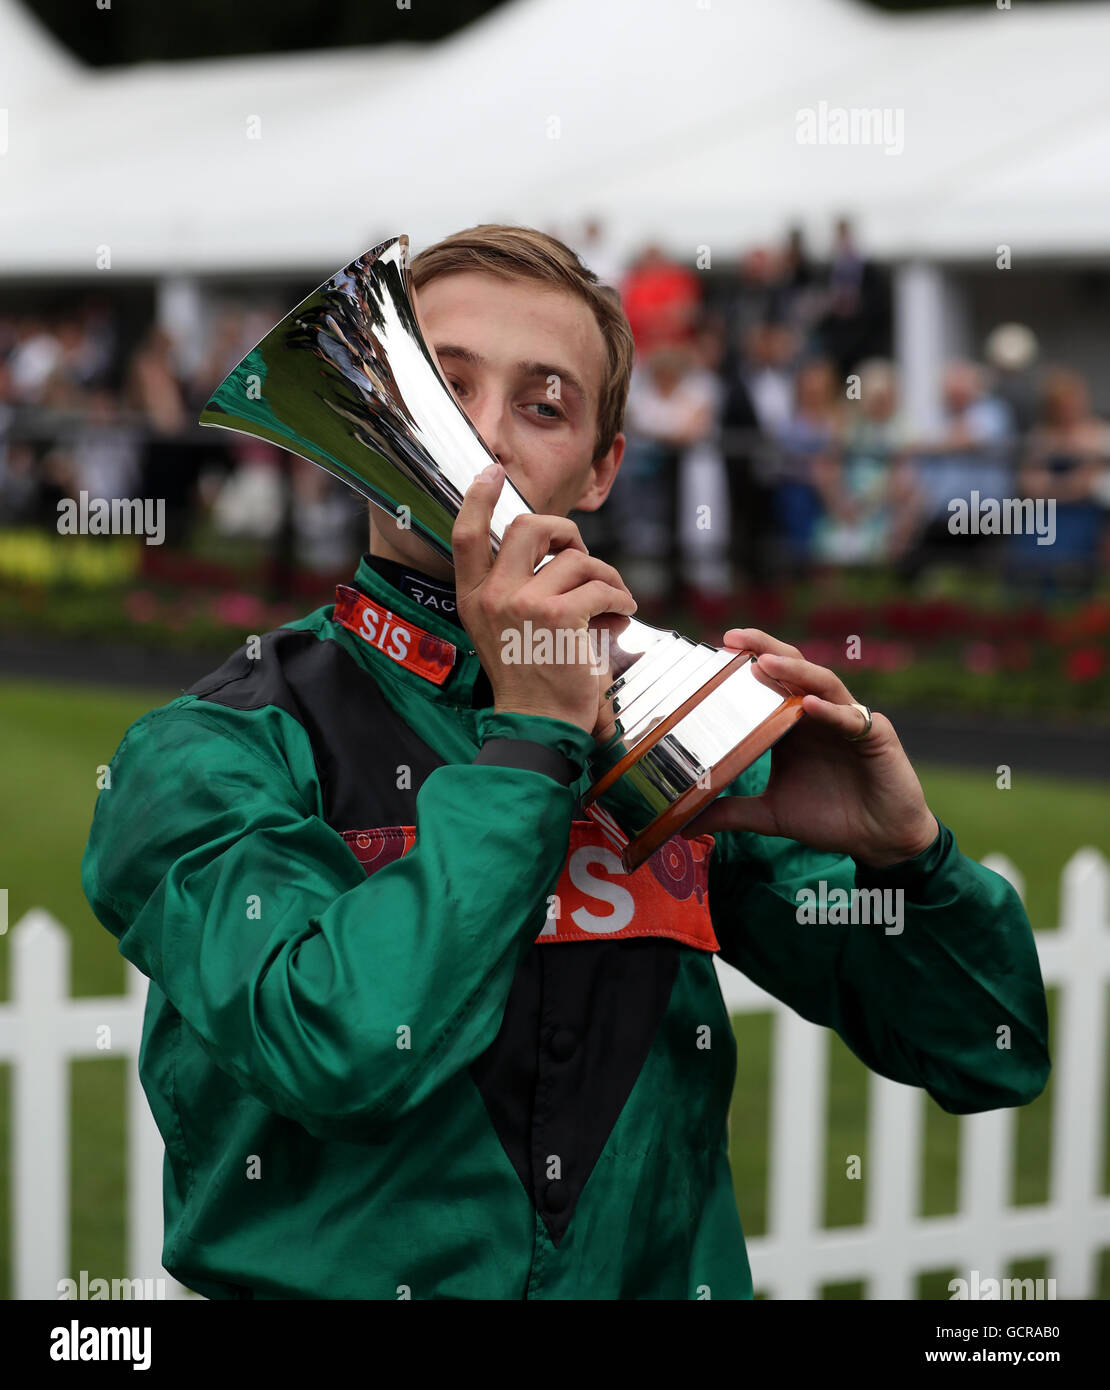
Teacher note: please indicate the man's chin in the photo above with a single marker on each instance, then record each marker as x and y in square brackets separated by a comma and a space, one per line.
[408, 549]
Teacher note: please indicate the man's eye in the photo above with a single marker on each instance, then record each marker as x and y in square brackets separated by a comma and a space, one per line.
[556, 414]
[456, 386]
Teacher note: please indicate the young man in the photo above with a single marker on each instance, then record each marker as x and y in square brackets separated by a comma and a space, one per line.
[411, 1031]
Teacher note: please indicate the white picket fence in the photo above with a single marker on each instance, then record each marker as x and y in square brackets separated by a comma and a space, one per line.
[894, 1244]
[42, 1028]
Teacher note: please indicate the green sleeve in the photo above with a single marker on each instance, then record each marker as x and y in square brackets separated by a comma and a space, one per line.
[210, 862]
[950, 999]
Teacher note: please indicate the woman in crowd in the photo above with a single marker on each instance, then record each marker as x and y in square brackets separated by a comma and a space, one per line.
[870, 495]
[1066, 460]
[809, 444]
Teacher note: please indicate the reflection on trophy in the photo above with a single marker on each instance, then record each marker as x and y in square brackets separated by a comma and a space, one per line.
[348, 382]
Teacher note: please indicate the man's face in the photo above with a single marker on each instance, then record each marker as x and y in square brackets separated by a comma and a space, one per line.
[526, 363]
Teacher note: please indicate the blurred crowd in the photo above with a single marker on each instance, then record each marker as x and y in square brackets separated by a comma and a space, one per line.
[766, 434]
[78, 412]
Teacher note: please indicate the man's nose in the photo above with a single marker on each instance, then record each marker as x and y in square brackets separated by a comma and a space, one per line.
[488, 416]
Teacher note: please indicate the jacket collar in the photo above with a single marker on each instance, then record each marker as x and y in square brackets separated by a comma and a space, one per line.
[465, 679]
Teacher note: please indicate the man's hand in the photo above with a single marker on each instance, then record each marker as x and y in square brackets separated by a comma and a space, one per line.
[858, 798]
[497, 597]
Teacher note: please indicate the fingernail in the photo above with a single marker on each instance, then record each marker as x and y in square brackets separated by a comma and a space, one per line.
[489, 472]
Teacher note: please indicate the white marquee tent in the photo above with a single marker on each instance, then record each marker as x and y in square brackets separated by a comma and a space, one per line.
[676, 120]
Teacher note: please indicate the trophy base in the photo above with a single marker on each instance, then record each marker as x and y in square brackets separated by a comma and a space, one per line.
[661, 783]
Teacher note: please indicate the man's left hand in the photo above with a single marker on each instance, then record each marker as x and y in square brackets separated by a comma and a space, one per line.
[859, 798]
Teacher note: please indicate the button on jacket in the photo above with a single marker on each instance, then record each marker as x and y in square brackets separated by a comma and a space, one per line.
[374, 1077]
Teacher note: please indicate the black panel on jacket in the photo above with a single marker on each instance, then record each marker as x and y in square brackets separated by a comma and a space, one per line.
[358, 741]
[581, 1016]
[595, 1007]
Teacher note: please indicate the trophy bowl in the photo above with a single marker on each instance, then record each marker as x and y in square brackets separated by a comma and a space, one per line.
[348, 381]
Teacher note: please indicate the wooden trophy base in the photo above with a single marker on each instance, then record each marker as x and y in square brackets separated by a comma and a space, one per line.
[696, 797]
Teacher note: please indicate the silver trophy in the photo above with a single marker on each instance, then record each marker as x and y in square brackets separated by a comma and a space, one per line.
[348, 382]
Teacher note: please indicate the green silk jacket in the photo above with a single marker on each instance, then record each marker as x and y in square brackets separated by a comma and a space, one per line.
[379, 1070]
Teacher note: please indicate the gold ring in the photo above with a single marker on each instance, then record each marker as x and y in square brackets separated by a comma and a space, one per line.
[855, 738]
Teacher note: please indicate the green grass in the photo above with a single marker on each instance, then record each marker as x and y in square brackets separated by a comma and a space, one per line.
[52, 740]
[1038, 824]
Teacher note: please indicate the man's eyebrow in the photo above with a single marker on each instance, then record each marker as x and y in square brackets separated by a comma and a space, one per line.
[461, 353]
[567, 380]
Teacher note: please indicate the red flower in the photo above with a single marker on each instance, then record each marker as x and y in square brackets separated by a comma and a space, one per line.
[239, 610]
[981, 657]
[892, 656]
[1085, 663]
[1017, 655]
[141, 606]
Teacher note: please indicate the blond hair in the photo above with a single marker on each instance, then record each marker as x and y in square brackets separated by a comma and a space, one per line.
[523, 253]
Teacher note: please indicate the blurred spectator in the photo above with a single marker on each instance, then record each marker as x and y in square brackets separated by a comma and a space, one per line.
[170, 463]
[672, 407]
[323, 510]
[971, 455]
[19, 488]
[100, 341]
[752, 300]
[73, 369]
[758, 403]
[799, 272]
[801, 297]
[1011, 353]
[767, 374]
[597, 253]
[870, 493]
[808, 443]
[855, 324]
[33, 359]
[7, 409]
[105, 449]
[18, 485]
[54, 479]
[704, 529]
[251, 501]
[1066, 460]
[221, 354]
[661, 299]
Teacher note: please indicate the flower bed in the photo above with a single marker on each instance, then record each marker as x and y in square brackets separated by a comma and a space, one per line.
[940, 652]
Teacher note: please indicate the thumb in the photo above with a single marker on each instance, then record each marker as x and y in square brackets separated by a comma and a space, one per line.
[733, 813]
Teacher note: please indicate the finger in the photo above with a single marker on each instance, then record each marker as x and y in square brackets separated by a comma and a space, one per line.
[568, 570]
[805, 676]
[733, 813]
[528, 539]
[753, 640]
[588, 600]
[845, 719]
[471, 552]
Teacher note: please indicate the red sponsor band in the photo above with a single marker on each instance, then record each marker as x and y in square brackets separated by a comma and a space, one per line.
[402, 641]
[595, 899]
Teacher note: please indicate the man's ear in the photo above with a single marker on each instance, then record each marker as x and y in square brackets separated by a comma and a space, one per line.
[603, 474]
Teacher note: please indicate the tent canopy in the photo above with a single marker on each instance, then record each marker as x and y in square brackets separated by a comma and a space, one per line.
[673, 123]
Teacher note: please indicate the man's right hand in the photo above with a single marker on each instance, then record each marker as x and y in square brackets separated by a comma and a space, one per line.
[496, 597]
